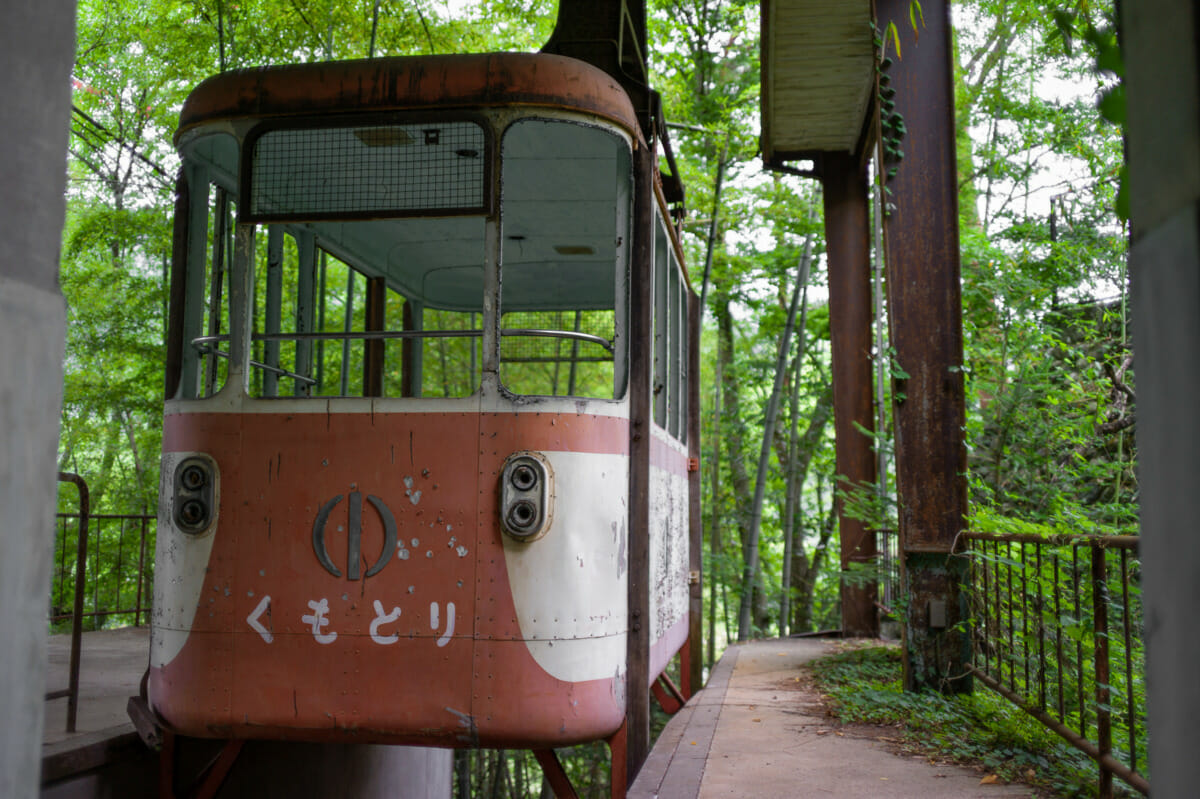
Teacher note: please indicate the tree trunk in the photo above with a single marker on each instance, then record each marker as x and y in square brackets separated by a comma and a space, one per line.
[751, 551]
[739, 478]
[462, 771]
[791, 499]
[715, 544]
[804, 605]
[499, 774]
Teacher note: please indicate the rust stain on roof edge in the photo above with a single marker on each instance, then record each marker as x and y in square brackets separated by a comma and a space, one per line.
[409, 83]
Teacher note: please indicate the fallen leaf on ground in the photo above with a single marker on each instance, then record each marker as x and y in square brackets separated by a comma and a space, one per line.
[990, 779]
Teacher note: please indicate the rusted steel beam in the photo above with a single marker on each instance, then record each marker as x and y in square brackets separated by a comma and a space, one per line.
[693, 675]
[1116, 767]
[641, 326]
[667, 701]
[925, 315]
[560, 783]
[1103, 674]
[671, 688]
[72, 689]
[612, 36]
[847, 237]
[619, 777]
[213, 776]
[1097, 541]
[925, 300]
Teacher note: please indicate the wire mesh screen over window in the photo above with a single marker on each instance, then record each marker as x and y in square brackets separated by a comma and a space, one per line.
[548, 353]
[363, 171]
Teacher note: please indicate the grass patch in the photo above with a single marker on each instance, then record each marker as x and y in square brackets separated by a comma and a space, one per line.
[865, 686]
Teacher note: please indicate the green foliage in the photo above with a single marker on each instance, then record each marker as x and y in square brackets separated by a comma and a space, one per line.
[515, 774]
[864, 686]
[1048, 363]
[1046, 434]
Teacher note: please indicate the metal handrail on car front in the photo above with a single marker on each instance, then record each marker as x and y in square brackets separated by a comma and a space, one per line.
[201, 342]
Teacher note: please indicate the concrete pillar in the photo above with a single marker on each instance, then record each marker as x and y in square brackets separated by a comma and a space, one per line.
[1161, 40]
[36, 43]
[925, 313]
[269, 770]
[847, 236]
[286, 770]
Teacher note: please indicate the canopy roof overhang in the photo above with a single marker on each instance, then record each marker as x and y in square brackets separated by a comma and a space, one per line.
[818, 77]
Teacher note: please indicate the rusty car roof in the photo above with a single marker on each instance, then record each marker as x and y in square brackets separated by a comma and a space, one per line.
[409, 83]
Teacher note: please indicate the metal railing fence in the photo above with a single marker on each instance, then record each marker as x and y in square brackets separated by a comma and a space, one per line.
[1058, 632]
[117, 576]
[100, 572]
[887, 547]
[71, 692]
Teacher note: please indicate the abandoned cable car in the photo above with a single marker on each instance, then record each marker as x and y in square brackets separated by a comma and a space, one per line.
[428, 324]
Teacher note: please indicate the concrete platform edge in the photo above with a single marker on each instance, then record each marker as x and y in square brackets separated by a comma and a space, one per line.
[65, 759]
[678, 757]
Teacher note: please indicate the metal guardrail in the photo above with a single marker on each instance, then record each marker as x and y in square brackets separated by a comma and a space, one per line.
[116, 581]
[100, 551]
[71, 692]
[1058, 632]
[887, 547]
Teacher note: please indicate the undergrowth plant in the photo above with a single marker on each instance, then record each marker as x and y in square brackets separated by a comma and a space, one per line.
[864, 685]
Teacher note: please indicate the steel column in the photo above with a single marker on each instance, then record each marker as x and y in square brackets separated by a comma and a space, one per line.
[307, 300]
[197, 186]
[847, 237]
[177, 286]
[373, 349]
[411, 351]
[693, 676]
[925, 316]
[241, 305]
[274, 308]
[637, 693]
[611, 35]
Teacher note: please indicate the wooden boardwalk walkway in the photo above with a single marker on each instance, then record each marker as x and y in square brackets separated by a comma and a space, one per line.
[758, 730]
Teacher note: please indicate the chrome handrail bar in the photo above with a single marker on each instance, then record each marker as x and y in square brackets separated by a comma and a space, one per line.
[204, 348]
[200, 342]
